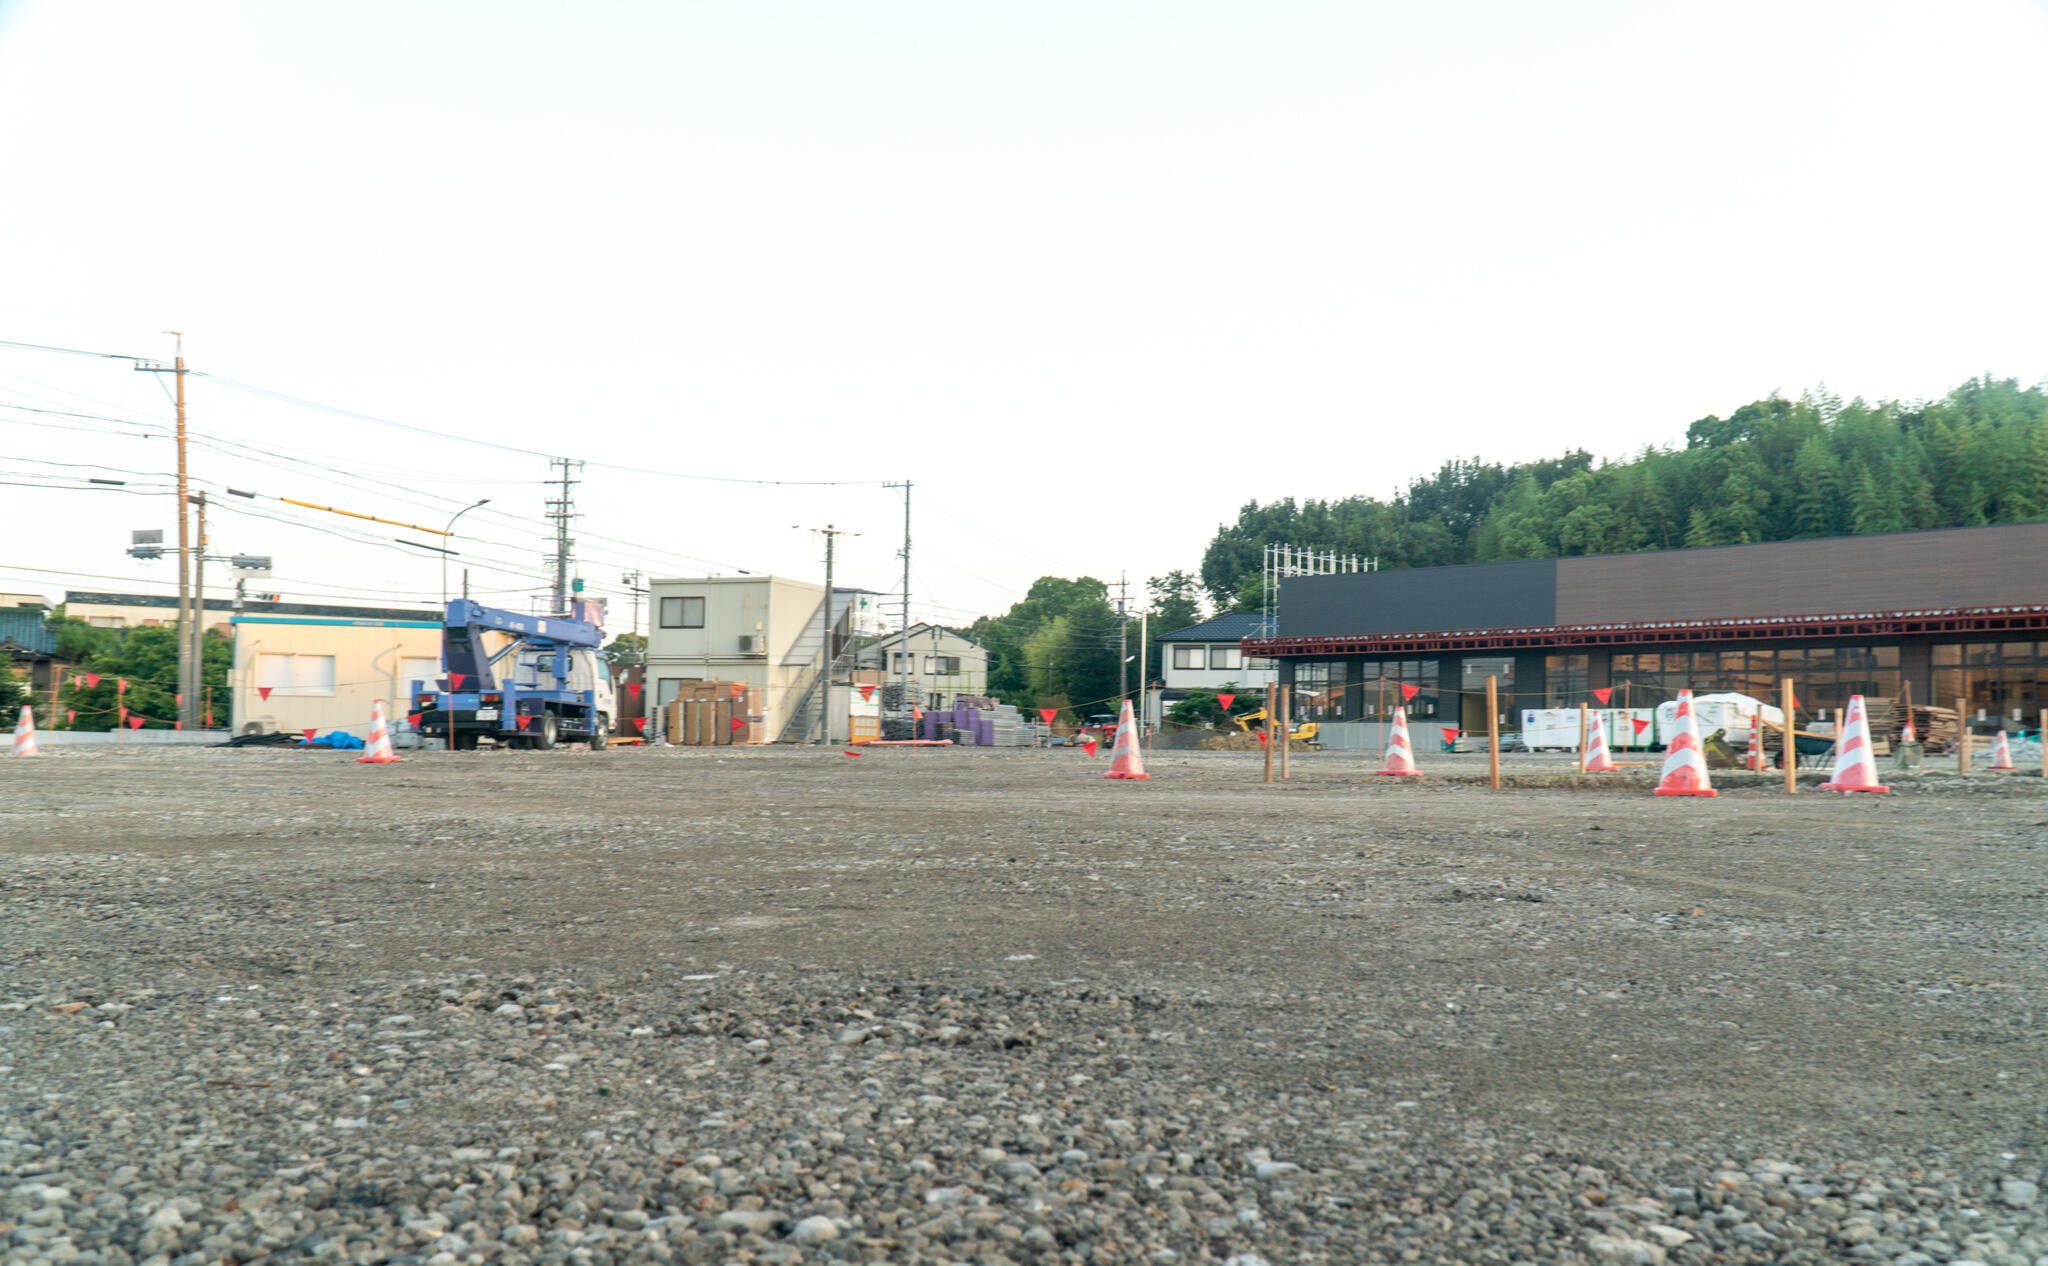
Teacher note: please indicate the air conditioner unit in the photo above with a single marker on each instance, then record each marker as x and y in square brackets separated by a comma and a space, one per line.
[751, 645]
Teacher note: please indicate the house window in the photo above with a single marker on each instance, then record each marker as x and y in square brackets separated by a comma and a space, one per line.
[942, 665]
[419, 668]
[682, 613]
[1226, 657]
[899, 664]
[666, 689]
[109, 622]
[1189, 657]
[296, 674]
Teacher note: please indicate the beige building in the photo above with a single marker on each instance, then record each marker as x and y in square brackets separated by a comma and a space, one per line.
[767, 632]
[940, 663]
[322, 673]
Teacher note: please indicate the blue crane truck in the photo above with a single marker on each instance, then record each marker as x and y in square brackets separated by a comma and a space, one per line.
[519, 680]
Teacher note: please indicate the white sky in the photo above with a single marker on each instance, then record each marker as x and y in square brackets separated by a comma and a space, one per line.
[1091, 275]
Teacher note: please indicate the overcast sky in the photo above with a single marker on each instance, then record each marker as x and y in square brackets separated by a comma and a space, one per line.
[1090, 275]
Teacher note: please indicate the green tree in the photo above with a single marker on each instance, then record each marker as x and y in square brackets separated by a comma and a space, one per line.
[626, 649]
[1817, 492]
[12, 695]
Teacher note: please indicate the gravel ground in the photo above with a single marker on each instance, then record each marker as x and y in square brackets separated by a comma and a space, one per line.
[785, 1006]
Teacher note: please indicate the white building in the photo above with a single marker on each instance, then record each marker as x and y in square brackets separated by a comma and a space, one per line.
[767, 632]
[323, 672]
[1207, 656]
[941, 662]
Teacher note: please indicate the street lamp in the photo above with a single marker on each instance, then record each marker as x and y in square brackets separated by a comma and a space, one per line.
[450, 531]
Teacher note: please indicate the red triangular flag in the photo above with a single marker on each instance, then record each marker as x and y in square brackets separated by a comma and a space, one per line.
[640, 724]
[738, 689]
[1224, 701]
[634, 688]
[866, 693]
[455, 680]
[1640, 725]
[1089, 745]
[1262, 738]
[124, 716]
[177, 725]
[1604, 694]
[523, 721]
[93, 680]
[263, 693]
[1047, 714]
[1408, 692]
[738, 725]
[209, 718]
[308, 732]
[121, 682]
[70, 715]
[180, 699]
[1450, 735]
[853, 753]
[1795, 700]
[77, 682]
[135, 723]
[413, 719]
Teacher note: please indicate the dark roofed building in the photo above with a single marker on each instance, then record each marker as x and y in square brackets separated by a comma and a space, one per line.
[1211, 654]
[1960, 613]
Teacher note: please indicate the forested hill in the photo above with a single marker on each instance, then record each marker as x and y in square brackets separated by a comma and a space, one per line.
[1771, 471]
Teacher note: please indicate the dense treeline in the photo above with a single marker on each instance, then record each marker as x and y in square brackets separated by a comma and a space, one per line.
[1773, 470]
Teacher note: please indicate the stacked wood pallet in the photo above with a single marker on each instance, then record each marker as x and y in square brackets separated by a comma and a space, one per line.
[1936, 728]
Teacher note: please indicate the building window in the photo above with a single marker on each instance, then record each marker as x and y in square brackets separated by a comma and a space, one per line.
[1321, 692]
[665, 690]
[296, 674]
[1376, 685]
[1226, 657]
[109, 622]
[1564, 680]
[682, 613]
[419, 668]
[1822, 676]
[2004, 681]
[1189, 657]
[942, 665]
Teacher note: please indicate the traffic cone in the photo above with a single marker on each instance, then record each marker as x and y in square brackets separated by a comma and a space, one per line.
[25, 733]
[1124, 759]
[1906, 734]
[1855, 766]
[1400, 756]
[1757, 764]
[2001, 755]
[379, 752]
[1685, 763]
[1598, 759]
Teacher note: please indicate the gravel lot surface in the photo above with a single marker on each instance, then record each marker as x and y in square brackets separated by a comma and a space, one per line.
[786, 1006]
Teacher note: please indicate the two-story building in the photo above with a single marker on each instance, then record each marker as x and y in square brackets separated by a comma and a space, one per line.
[767, 632]
[940, 662]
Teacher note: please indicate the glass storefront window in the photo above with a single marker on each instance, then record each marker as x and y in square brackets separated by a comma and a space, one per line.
[1564, 680]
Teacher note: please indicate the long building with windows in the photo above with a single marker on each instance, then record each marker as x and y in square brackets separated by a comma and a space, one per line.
[1960, 613]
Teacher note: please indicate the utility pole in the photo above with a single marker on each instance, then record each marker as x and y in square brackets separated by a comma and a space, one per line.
[903, 665]
[188, 619]
[561, 510]
[1123, 637]
[823, 714]
[632, 580]
[198, 649]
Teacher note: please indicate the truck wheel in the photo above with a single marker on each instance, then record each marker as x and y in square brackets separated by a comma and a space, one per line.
[545, 740]
[600, 733]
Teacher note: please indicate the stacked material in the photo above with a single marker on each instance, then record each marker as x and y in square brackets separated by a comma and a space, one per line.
[1936, 727]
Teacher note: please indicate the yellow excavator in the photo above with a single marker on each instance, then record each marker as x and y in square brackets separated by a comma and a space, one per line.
[1304, 733]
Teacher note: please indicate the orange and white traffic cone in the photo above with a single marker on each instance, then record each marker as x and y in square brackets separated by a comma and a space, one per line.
[2001, 755]
[1598, 759]
[1685, 762]
[1906, 734]
[1400, 755]
[1124, 759]
[1756, 744]
[379, 747]
[25, 733]
[1855, 765]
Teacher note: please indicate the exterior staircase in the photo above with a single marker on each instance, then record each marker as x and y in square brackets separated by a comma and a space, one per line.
[809, 652]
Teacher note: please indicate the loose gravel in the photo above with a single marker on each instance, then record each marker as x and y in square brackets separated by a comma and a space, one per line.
[785, 1006]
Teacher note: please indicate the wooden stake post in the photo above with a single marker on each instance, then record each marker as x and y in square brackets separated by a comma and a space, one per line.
[1286, 720]
[1962, 737]
[1582, 738]
[1269, 731]
[1492, 732]
[1791, 756]
[2042, 737]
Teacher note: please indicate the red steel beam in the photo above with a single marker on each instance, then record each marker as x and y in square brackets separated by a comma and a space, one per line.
[1933, 621]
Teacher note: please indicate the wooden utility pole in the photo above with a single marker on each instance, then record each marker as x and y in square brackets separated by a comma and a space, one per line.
[1269, 731]
[1286, 719]
[188, 668]
[1582, 738]
[1493, 731]
[1791, 746]
[191, 721]
[1962, 737]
